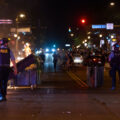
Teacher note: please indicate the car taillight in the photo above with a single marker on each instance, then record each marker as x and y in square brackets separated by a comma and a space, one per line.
[94, 60]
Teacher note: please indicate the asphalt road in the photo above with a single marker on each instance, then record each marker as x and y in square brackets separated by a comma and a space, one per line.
[61, 97]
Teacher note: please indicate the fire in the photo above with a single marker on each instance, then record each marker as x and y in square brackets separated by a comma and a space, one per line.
[27, 49]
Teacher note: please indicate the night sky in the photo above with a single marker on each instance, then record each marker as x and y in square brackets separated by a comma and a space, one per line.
[58, 15]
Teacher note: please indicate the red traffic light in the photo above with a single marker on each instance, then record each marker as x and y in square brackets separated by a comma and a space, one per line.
[83, 21]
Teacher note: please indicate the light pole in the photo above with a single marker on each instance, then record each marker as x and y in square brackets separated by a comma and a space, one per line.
[17, 32]
[89, 37]
[100, 35]
[112, 4]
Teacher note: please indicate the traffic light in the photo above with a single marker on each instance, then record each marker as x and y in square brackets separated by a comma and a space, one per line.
[69, 29]
[83, 21]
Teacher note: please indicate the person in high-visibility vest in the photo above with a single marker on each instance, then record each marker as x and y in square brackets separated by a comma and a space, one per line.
[5, 56]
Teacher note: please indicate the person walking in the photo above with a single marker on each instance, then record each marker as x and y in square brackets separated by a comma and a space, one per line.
[66, 62]
[42, 57]
[114, 59]
[71, 60]
[55, 60]
[5, 56]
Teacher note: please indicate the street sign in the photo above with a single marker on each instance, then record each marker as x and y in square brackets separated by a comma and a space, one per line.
[67, 45]
[98, 26]
[6, 21]
[109, 26]
[20, 30]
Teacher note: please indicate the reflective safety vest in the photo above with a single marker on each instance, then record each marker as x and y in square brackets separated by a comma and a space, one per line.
[4, 57]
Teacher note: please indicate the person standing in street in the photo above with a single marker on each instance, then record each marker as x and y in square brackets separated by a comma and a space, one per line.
[42, 56]
[5, 56]
[114, 59]
[55, 60]
[71, 60]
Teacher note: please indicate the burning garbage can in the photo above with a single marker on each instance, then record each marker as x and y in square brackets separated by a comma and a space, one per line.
[28, 72]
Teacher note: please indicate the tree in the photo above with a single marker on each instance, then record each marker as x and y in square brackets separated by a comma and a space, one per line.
[79, 38]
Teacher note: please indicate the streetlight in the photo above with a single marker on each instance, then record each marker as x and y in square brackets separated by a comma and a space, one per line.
[15, 35]
[21, 15]
[72, 35]
[18, 37]
[112, 4]
[89, 37]
[85, 41]
[89, 32]
[112, 36]
[58, 49]
[100, 35]
[85, 44]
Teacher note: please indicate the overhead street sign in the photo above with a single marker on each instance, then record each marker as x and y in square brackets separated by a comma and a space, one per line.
[98, 26]
[108, 26]
[20, 30]
[6, 21]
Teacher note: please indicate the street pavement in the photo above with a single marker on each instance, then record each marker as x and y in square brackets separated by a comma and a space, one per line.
[62, 95]
[81, 73]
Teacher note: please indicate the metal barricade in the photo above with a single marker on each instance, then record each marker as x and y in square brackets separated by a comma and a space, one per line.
[95, 76]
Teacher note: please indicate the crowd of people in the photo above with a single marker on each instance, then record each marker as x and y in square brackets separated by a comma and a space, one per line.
[66, 59]
[63, 58]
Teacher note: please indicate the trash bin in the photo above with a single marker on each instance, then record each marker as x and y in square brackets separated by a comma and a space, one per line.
[28, 78]
[95, 76]
[29, 70]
